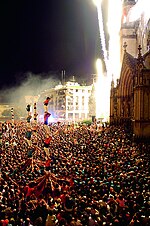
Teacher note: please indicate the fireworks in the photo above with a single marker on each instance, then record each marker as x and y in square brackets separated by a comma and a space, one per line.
[101, 29]
[112, 59]
[114, 25]
[102, 93]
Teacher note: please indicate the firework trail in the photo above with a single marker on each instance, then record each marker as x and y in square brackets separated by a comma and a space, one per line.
[101, 29]
[112, 58]
[114, 25]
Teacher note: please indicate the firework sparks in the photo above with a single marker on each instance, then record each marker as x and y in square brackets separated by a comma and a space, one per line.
[102, 92]
[112, 59]
[114, 25]
[101, 29]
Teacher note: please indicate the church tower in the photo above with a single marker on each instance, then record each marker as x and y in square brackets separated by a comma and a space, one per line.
[128, 32]
[141, 118]
[130, 98]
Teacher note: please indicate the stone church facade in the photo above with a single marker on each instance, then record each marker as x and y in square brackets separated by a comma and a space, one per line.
[130, 98]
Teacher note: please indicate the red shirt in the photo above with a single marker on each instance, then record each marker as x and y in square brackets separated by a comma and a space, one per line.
[47, 140]
[46, 101]
[47, 163]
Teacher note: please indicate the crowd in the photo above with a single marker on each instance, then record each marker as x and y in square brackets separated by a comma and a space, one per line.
[71, 175]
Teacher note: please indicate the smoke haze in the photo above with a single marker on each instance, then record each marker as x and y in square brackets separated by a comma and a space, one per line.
[31, 85]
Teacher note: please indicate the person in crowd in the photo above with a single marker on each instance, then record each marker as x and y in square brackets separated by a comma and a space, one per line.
[88, 177]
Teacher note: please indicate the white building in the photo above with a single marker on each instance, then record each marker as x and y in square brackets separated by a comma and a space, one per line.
[69, 101]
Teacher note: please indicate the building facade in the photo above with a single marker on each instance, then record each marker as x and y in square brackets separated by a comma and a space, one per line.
[69, 101]
[130, 98]
[5, 107]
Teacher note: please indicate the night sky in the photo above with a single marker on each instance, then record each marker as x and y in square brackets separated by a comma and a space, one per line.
[47, 36]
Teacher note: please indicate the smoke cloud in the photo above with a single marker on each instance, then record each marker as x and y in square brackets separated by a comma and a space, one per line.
[32, 85]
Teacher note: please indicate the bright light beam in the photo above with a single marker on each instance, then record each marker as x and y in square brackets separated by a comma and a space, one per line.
[113, 61]
[102, 94]
[103, 82]
[101, 29]
[114, 25]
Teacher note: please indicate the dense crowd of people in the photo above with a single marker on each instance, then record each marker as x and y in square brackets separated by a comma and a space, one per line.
[61, 174]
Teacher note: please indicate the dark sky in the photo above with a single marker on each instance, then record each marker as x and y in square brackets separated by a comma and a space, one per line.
[44, 36]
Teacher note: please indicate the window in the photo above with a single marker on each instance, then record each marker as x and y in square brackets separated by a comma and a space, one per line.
[83, 116]
[76, 115]
[70, 115]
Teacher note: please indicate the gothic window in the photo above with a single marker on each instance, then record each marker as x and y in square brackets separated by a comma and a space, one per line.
[141, 79]
[136, 80]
